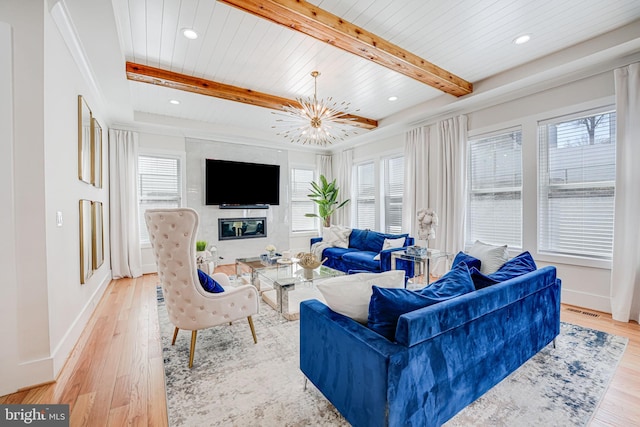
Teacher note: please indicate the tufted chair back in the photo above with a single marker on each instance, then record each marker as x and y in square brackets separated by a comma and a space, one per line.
[173, 238]
[172, 233]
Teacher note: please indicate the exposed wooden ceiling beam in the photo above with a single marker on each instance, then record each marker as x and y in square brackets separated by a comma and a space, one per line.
[158, 76]
[324, 26]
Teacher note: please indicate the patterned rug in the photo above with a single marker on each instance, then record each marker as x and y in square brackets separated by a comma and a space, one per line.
[235, 382]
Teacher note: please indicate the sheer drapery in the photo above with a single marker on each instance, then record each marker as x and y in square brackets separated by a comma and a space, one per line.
[625, 268]
[343, 171]
[126, 259]
[435, 177]
[323, 166]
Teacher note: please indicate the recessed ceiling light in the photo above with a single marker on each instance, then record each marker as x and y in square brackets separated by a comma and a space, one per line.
[522, 39]
[190, 34]
[393, 98]
[174, 102]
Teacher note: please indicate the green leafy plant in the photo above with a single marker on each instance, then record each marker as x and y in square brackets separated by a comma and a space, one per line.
[325, 194]
[201, 245]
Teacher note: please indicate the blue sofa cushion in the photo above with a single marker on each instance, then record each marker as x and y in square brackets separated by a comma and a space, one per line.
[335, 252]
[362, 259]
[368, 240]
[467, 259]
[516, 266]
[208, 284]
[387, 305]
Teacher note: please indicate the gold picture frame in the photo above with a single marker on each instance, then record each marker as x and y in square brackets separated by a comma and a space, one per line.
[97, 235]
[96, 153]
[85, 240]
[85, 141]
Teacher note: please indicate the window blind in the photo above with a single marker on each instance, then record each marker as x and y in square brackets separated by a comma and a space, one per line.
[365, 206]
[494, 206]
[159, 186]
[577, 184]
[300, 203]
[393, 190]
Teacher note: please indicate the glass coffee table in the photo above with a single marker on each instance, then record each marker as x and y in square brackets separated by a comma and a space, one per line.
[284, 284]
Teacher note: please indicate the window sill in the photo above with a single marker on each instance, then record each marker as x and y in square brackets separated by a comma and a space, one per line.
[603, 264]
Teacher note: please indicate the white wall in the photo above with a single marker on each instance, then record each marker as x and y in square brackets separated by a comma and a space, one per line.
[278, 222]
[70, 303]
[9, 289]
[41, 293]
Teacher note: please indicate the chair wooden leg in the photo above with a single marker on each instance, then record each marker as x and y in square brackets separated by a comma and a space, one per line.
[175, 335]
[253, 330]
[192, 350]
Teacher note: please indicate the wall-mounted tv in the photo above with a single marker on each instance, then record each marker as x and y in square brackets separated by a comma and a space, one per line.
[233, 184]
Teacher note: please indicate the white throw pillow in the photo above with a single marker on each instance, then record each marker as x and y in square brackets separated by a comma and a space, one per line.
[390, 244]
[336, 235]
[491, 256]
[349, 295]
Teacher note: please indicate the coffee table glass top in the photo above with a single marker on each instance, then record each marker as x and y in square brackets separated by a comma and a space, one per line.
[292, 272]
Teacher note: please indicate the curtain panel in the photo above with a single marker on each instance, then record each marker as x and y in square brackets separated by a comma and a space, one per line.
[343, 179]
[625, 267]
[126, 258]
[436, 177]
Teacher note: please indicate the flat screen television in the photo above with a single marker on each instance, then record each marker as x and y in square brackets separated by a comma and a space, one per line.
[233, 184]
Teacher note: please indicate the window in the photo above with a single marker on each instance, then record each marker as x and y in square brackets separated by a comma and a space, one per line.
[494, 205]
[300, 203]
[576, 184]
[365, 194]
[393, 187]
[159, 186]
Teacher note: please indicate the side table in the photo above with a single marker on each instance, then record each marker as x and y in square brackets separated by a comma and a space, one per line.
[421, 263]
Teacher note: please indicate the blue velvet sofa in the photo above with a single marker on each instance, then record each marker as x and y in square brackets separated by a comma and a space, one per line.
[364, 245]
[445, 356]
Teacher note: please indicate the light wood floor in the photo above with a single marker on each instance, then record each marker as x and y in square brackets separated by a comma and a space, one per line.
[115, 374]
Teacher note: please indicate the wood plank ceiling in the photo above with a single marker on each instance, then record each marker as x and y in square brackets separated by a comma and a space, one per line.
[468, 38]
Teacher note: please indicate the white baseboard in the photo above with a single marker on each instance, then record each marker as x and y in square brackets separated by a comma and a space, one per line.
[61, 353]
[586, 300]
[149, 268]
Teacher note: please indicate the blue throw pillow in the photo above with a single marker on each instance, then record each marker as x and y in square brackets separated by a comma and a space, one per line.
[467, 259]
[516, 266]
[387, 305]
[208, 284]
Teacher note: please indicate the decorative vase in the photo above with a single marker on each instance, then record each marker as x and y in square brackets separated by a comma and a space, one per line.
[272, 254]
[308, 273]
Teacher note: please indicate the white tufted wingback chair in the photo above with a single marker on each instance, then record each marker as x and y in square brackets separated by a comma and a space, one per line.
[173, 237]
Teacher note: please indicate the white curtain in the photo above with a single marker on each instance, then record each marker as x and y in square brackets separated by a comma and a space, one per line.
[323, 166]
[343, 171]
[416, 174]
[436, 178]
[625, 269]
[126, 259]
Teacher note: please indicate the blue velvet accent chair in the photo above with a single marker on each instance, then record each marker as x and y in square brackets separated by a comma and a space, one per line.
[443, 356]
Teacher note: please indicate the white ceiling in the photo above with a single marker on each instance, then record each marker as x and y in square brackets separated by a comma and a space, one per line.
[470, 38]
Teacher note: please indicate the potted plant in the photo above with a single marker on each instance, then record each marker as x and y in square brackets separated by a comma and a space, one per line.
[325, 194]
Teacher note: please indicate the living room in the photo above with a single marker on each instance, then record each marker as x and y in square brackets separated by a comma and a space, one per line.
[44, 305]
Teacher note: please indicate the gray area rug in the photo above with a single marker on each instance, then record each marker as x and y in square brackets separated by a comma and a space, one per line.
[235, 382]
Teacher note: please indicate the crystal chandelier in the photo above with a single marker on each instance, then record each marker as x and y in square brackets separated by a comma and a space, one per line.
[314, 121]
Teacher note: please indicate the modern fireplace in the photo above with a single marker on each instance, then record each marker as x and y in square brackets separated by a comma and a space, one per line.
[241, 228]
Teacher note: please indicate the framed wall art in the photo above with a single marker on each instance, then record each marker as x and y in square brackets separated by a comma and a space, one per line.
[97, 235]
[85, 141]
[96, 153]
[86, 240]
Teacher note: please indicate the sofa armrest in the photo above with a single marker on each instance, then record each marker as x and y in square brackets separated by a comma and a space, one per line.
[385, 262]
[315, 240]
[346, 361]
